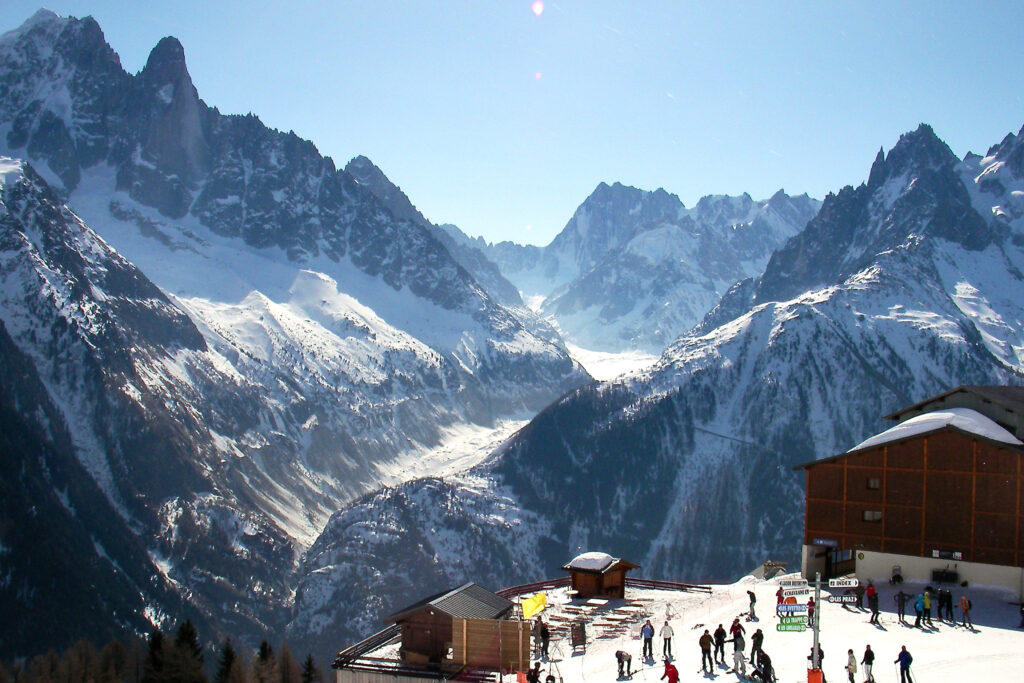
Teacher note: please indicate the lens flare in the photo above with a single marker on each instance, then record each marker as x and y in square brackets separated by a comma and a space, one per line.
[537, 7]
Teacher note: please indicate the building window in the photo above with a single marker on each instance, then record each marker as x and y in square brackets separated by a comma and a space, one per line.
[874, 483]
[872, 515]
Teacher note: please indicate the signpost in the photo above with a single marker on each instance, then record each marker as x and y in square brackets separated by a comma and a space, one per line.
[843, 583]
[790, 608]
[843, 599]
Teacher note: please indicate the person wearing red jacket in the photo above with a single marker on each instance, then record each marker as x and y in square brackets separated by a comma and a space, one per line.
[671, 673]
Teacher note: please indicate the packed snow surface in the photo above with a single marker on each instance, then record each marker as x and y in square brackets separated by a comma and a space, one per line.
[10, 170]
[593, 561]
[989, 651]
[961, 418]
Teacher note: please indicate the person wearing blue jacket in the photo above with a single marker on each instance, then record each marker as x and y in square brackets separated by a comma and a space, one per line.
[919, 609]
[904, 660]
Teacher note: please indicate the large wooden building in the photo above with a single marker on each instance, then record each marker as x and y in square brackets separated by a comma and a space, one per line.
[941, 495]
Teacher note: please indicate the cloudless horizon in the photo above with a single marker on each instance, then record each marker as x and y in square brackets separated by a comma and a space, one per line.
[502, 116]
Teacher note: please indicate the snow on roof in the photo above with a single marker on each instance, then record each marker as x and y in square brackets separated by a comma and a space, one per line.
[591, 561]
[963, 419]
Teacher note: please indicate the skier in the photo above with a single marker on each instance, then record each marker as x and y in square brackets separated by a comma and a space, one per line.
[647, 633]
[534, 674]
[859, 591]
[919, 609]
[671, 673]
[965, 610]
[705, 652]
[810, 611]
[739, 663]
[736, 628]
[873, 604]
[851, 664]
[867, 660]
[755, 645]
[901, 604]
[904, 659]
[666, 634]
[625, 661]
[763, 672]
[545, 639]
[753, 599]
[720, 644]
[926, 601]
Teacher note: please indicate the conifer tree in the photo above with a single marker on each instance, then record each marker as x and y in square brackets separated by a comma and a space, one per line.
[310, 674]
[226, 663]
[264, 666]
[153, 669]
[289, 668]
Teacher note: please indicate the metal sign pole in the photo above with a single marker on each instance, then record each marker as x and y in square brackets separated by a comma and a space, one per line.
[816, 619]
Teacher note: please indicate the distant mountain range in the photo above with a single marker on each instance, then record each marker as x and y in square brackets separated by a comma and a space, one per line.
[227, 334]
[900, 288]
[216, 348]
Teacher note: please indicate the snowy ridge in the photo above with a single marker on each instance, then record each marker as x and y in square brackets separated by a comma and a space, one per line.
[687, 468]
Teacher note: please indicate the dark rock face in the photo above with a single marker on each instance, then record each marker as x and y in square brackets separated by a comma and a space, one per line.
[688, 470]
[218, 461]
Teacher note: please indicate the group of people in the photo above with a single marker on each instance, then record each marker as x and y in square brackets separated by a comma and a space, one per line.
[943, 602]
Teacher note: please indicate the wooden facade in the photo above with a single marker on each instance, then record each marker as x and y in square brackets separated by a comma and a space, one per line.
[427, 627]
[947, 494]
[609, 582]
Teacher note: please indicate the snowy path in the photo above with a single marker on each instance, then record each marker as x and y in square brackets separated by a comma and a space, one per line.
[604, 365]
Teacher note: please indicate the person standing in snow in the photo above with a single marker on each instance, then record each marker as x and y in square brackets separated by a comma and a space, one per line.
[720, 644]
[905, 660]
[533, 676]
[919, 609]
[810, 612]
[647, 633]
[867, 660]
[671, 673]
[739, 663]
[851, 664]
[753, 599]
[666, 635]
[873, 603]
[965, 610]
[705, 642]
[859, 592]
[901, 604]
[545, 639]
[736, 628]
[926, 601]
[755, 645]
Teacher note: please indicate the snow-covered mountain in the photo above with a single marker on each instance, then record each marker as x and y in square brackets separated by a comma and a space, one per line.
[634, 269]
[905, 286]
[234, 337]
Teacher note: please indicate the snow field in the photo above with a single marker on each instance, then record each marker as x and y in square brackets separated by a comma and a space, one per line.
[943, 653]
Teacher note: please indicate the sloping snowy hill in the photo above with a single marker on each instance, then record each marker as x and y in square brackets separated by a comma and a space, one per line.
[237, 336]
[687, 468]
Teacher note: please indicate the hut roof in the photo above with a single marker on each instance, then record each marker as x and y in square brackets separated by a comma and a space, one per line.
[469, 601]
[597, 563]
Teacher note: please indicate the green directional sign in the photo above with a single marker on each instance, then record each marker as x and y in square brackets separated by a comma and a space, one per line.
[791, 627]
[794, 621]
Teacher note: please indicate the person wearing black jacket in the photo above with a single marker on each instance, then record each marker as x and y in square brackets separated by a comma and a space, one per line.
[755, 645]
[867, 661]
[720, 644]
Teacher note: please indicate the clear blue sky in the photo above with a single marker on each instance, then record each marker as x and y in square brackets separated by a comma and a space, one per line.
[502, 121]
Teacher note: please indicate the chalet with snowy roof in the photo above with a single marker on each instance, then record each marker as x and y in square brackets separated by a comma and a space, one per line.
[427, 626]
[940, 494]
[598, 575]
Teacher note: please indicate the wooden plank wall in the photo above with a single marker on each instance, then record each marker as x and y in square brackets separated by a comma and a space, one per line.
[491, 643]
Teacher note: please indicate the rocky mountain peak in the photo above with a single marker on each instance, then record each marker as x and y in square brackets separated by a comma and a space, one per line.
[372, 178]
[918, 151]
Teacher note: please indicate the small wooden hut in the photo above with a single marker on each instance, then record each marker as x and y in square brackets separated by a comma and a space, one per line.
[599, 575]
[426, 626]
